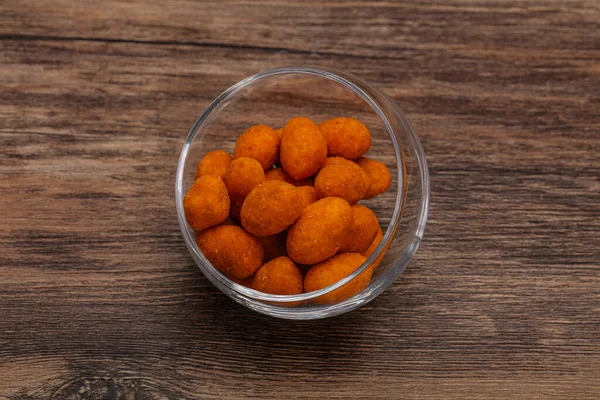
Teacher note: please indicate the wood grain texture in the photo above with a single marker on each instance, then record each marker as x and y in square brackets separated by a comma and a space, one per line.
[100, 299]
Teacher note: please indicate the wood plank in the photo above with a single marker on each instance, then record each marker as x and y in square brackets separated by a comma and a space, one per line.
[363, 28]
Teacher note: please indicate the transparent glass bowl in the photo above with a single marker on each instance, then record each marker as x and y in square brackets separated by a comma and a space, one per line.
[274, 96]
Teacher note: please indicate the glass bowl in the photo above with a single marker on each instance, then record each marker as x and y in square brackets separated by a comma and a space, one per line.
[274, 96]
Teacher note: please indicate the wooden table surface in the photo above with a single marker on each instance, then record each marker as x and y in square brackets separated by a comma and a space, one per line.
[99, 297]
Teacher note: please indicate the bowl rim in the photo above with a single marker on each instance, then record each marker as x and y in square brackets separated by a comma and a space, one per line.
[349, 82]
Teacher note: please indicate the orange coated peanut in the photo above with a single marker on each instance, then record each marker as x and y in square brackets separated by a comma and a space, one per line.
[331, 271]
[363, 230]
[278, 174]
[273, 245]
[308, 195]
[214, 163]
[243, 175]
[351, 164]
[367, 253]
[206, 203]
[346, 137]
[303, 148]
[270, 208]
[380, 176]
[320, 231]
[231, 250]
[259, 142]
[341, 180]
[279, 276]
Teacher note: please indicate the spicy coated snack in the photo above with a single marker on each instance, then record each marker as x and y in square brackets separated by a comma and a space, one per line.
[339, 180]
[303, 148]
[260, 142]
[350, 165]
[231, 250]
[362, 232]
[206, 203]
[278, 174]
[243, 175]
[346, 137]
[214, 163]
[270, 208]
[278, 276]
[379, 175]
[273, 245]
[367, 253]
[320, 231]
[331, 271]
[307, 195]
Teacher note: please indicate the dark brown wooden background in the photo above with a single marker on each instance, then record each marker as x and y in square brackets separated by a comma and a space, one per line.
[100, 299]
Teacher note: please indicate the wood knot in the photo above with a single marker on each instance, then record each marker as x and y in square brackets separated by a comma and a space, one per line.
[107, 388]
